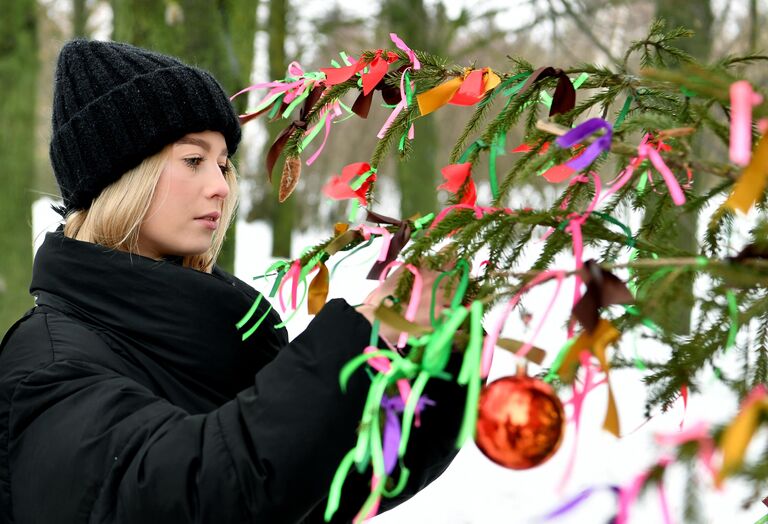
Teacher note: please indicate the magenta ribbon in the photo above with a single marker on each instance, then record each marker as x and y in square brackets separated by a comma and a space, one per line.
[582, 131]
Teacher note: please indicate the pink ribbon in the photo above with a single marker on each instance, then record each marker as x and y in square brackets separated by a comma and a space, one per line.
[403, 98]
[334, 108]
[413, 303]
[385, 235]
[401, 45]
[292, 274]
[489, 344]
[375, 480]
[645, 150]
[742, 100]
[628, 495]
[578, 400]
[697, 432]
[383, 365]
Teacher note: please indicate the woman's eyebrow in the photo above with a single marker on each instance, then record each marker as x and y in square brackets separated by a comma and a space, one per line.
[199, 142]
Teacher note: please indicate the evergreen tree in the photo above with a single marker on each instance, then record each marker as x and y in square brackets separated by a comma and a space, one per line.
[639, 154]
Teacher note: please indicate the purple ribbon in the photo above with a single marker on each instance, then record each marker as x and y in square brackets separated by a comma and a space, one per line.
[575, 501]
[582, 131]
[392, 433]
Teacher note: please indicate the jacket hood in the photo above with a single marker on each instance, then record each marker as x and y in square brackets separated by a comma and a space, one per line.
[176, 323]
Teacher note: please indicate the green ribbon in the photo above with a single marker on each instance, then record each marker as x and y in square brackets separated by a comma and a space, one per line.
[275, 108]
[410, 410]
[409, 93]
[505, 90]
[438, 350]
[559, 359]
[243, 321]
[461, 289]
[250, 313]
[401, 482]
[470, 373]
[641, 185]
[357, 361]
[477, 144]
[315, 131]
[354, 206]
[355, 250]
[608, 218]
[733, 310]
[360, 180]
[334, 494]
[370, 411]
[497, 148]
[296, 101]
[419, 222]
[624, 111]
[257, 324]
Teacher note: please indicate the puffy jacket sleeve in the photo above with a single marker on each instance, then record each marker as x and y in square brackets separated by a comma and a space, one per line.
[103, 448]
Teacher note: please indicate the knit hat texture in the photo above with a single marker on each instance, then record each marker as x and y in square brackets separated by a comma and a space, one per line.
[115, 104]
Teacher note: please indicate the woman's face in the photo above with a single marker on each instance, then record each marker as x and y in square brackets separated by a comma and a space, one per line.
[185, 209]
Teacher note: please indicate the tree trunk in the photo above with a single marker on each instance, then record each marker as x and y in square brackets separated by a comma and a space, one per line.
[216, 36]
[79, 18]
[281, 215]
[18, 77]
[696, 15]
[417, 176]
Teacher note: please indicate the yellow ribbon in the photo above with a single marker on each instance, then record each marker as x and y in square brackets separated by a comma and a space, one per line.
[738, 434]
[595, 342]
[751, 184]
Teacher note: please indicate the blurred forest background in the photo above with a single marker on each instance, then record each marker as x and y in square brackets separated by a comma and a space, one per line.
[246, 41]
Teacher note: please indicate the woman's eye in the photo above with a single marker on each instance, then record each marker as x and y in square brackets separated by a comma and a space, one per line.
[193, 162]
[224, 169]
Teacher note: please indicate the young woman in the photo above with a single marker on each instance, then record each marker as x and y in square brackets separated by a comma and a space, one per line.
[126, 394]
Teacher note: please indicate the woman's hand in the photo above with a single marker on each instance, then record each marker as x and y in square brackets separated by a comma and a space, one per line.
[388, 287]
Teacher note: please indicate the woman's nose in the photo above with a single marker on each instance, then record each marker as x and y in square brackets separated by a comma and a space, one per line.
[217, 184]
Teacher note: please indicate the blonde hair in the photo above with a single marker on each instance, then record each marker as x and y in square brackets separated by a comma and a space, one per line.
[115, 216]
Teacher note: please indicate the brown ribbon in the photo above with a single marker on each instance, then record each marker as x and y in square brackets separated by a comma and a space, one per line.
[318, 290]
[564, 98]
[341, 241]
[396, 243]
[362, 105]
[276, 149]
[603, 289]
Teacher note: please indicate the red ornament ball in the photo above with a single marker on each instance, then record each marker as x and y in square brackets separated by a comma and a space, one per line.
[520, 423]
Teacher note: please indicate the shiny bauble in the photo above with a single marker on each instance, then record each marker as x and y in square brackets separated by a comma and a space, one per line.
[520, 422]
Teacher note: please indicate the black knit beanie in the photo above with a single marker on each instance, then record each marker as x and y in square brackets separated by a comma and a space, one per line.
[115, 105]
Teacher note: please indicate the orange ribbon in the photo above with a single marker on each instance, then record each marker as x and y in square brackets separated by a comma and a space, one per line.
[465, 90]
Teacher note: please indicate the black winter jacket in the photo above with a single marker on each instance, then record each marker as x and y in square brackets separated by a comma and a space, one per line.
[127, 396]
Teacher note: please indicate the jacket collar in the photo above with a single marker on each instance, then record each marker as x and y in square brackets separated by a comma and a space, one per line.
[170, 320]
